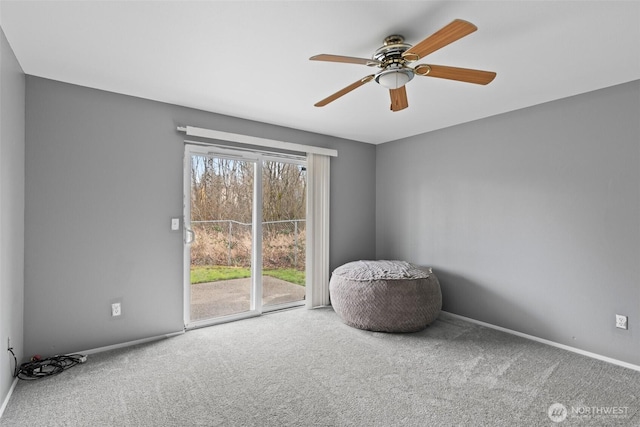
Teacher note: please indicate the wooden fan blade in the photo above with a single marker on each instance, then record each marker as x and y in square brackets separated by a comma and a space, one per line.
[461, 74]
[346, 59]
[448, 34]
[399, 98]
[344, 91]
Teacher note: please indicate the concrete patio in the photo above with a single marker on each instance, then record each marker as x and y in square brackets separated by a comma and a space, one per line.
[221, 298]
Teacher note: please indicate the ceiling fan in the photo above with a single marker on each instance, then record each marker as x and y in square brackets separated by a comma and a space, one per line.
[395, 55]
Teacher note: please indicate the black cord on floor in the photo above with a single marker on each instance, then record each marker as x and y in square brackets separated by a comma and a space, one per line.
[15, 367]
[36, 369]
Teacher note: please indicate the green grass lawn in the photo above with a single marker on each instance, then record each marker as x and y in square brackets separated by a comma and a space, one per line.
[213, 273]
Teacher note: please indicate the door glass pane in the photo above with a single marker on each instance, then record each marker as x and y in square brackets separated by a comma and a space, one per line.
[221, 216]
[284, 201]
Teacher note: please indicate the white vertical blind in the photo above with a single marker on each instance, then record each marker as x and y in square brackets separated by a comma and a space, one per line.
[318, 179]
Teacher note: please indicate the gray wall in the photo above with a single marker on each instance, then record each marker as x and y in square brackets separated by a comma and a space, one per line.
[104, 177]
[12, 94]
[530, 219]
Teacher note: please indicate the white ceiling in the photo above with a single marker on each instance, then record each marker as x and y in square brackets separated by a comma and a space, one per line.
[250, 59]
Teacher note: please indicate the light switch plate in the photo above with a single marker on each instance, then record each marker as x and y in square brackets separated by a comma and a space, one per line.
[175, 224]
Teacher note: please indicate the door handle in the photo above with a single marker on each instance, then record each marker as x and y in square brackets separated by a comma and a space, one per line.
[190, 236]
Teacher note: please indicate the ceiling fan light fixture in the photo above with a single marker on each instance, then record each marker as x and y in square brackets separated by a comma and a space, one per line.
[393, 59]
[393, 78]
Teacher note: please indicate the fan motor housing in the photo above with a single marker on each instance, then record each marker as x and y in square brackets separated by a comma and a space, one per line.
[394, 71]
[392, 50]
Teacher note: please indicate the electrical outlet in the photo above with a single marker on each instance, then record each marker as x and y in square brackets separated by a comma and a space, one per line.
[116, 309]
[621, 321]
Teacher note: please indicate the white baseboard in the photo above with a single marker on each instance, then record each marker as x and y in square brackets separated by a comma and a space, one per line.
[551, 343]
[6, 399]
[129, 343]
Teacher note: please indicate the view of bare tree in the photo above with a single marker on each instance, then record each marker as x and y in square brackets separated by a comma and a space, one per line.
[221, 212]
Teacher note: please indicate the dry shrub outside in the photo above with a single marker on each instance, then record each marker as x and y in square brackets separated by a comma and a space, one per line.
[282, 247]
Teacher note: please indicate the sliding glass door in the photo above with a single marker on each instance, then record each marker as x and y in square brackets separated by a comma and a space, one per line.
[245, 223]
[284, 203]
